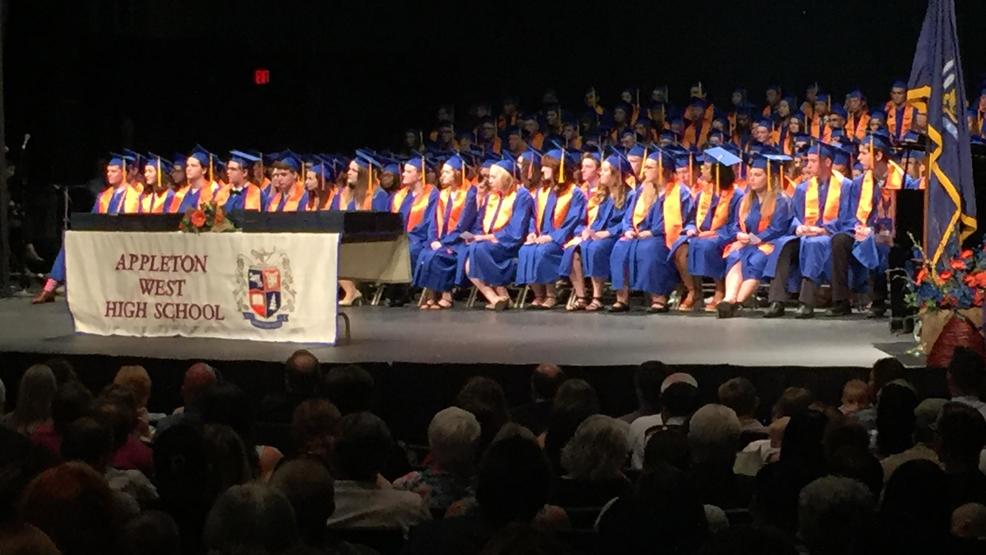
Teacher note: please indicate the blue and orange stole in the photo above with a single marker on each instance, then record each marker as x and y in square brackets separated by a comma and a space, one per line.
[291, 202]
[449, 209]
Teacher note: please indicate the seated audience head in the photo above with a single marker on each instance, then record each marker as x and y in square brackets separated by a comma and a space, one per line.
[965, 373]
[916, 509]
[842, 431]
[228, 460]
[647, 379]
[834, 515]
[855, 397]
[513, 482]
[598, 450]
[513, 429]
[739, 394]
[312, 426]
[747, 540]
[302, 373]
[713, 436]
[63, 370]
[961, 436]
[150, 533]
[119, 414]
[179, 463]
[362, 444]
[895, 419]
[251, 518]
[138, 380]
[793, 401]
[24, 539]
[72, 400]
[34, 396]
[969, 521]
[925, 419]
[860, 465]
[349, 387]
[679, 396]
[310, 488]
[545, 380]
[73, 505]
[803, 437]
[667, 446]
[484, 398]
[225, 403]
[20, 461]
[884, 371]
[89, 440]
[453, 437]
[198, 378]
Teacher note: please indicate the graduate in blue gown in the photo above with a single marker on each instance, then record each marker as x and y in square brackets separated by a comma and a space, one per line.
[239, 193]
[654, 220]
[707, 232]
[199, 171]
[822, 208]
[361, 193]
[587, 253]
[455, 215]
[418, 208]
[559, 207]
[762, 217]
[491, 257]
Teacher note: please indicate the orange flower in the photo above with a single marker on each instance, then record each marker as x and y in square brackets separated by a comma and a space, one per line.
[945, 276]
[220, 216]
[967, 254]
[957, 264]
[981, 279]
[197, 218]
[922, 275]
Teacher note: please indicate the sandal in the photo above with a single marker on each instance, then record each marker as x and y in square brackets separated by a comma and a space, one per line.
[579, 304]
[596, 304]
[444, 305]
[658, 308]
[550, 303]
[536, 304]
[428, 305]
[619, 307]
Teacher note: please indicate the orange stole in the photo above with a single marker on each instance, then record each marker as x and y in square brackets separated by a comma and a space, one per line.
[539, 207]
[891, 110]
[251, 200]
[104, 200]
[858, 126]
[153, 203]
[831, 211]
[178, 198]
[894, 182]
[762, 225]
[294, 198]
[672, 214]
[396, 201]
[562, 203]
[418, 205]
[721, 215]
[639, 212]
[503, 211]
[458, 200]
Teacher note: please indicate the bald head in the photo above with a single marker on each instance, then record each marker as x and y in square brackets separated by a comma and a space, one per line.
[545, 380]
[302, 373]
[198, 378]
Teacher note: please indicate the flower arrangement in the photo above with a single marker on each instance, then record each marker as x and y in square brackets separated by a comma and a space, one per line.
[958, 283]
[210, 217]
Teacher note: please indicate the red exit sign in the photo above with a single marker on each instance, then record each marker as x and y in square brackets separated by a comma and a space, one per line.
[261, 76]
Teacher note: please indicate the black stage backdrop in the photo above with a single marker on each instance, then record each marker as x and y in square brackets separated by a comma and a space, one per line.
[87, 77]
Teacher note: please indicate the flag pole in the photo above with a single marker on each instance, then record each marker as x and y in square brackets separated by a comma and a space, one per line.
[4, 193]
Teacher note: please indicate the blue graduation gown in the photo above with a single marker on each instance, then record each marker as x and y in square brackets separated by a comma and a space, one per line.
[114, 207]
[705, 254]
[418, 235]
[596, 252]
[437, 269]
[496, 263]
[815, 256]
[236, 200]
[753, 259]
[644, 261]
[542, 263]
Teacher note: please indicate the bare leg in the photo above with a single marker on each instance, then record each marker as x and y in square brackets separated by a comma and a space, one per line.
[747, 289]
[734, 279]
[539, 291]
[681, 264]
[350, 292]
[577, 277]
[551, 296]
[486, 290]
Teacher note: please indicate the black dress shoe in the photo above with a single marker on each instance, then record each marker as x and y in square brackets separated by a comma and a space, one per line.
[840, 308]
[775, 310]
[804, 312]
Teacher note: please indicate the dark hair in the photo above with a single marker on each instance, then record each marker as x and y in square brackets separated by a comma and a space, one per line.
[647, 379]
[841, 432]
[963, 433]
[363, 442]
[121, 419]
[667, 446]
[793, 401]
[484, 398]
[302, 373]
[858, 464]
[546, 380]
[349, 387]
[513, 481]
[803, 438]
[89, 440]
[150, 533]
[895, 419]
[966, 370]
[680, 399]
[63, 370]
[72, 400]
[916, 513]
[740, 395]
[576, 400]
[884, 371]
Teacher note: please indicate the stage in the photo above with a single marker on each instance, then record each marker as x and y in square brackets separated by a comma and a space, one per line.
[471, 336]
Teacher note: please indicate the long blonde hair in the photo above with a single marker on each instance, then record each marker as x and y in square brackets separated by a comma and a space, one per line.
[769, 203]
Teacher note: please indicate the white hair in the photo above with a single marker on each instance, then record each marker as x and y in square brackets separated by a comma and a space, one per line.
[713, 434]
[832, 511]
[598, 450]
[453, 436]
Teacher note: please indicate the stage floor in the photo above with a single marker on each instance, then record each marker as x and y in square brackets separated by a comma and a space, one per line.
[464, 336]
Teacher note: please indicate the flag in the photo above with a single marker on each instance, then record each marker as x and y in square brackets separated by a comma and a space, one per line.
[937, 89]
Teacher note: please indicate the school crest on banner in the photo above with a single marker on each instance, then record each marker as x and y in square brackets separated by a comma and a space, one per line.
[265, 293]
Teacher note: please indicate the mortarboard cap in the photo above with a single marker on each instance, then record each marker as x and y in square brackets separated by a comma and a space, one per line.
[855, 93]
[722, 156]
[244, 159]
[636, 150]
[878, 140]
[838, 110]
[898, 84]
[506, 164]
[824, 150]
[619, 162]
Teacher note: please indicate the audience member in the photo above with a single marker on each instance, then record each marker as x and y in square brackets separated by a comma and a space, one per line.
[349, 388]
[453, 438]
[925, 416]
[679, 399]
[180, 457]
[72, 400]
[647, 379]
[667, 446]
[62, 369]
[251, 518]
[196, 381]
[139, 382]
[364, 498]
[884, 371]
[227, 457]
[965, 379]
[484, 398]
[302, 376]
[835, 516]
[312, 427]
[969, 522]
[713, 437]
[740, 395]
[593, 461]
[855, 397]
[895, 419]
[226, 403]
[961, 436]
[34, 397]
[545, 381]
[23, 539]
[576, 400]
[151, 533]
[916, 510]
[116, 405]
[3, 399]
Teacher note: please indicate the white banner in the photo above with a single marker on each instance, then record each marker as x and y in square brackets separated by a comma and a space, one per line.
[255, 286]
